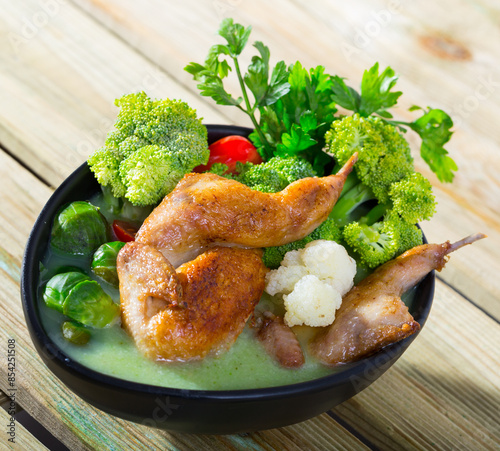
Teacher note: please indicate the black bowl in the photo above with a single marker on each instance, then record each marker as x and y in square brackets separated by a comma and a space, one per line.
[194, 411]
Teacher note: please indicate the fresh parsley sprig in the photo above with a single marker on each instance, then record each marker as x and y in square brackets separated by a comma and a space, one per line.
[266, 89]
[296, 124]
[293, 107]
[375, 96]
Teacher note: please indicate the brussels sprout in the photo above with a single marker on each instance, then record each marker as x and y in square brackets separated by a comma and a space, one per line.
[80, 298]
[79, 229]
[104, 261]
[59, 286]
[88, 304]
[75, 333]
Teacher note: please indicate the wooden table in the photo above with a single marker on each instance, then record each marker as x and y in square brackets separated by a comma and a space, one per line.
[62, 64]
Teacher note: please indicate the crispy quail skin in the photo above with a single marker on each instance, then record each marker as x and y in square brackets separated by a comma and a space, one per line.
[194, 311]
[206, 210]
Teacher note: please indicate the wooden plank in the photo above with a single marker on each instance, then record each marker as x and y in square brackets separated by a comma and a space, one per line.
[444, 392]
[75, 423]
[58, 83]
[438, 67]
[15, 436]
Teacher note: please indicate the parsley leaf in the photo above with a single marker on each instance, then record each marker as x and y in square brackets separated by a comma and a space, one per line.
[258, 73]
[236, 36]
[278, 86]
[297, 122]
[294, 142]
[265, 91]
[344, 95]
[213, 87]
[434, 129]
[375, 96]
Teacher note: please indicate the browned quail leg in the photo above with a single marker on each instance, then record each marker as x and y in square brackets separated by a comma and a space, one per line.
[372, 314]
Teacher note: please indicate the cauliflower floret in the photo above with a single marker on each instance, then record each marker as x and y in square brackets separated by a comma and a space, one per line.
[283, 279]
[331, 263]
[292, 258]
[312, 302]
[312, 281]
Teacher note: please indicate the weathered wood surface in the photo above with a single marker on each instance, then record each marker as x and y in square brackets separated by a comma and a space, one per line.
[64, 63]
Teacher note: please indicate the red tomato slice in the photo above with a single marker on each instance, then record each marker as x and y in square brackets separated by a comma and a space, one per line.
[124, 231]
[230, 150]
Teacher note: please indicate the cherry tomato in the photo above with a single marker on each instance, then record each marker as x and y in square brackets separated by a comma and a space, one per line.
[124, 231]
[230, 150]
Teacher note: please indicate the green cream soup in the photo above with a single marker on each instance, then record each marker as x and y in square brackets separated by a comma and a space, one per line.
[112, 351]
[246, 365]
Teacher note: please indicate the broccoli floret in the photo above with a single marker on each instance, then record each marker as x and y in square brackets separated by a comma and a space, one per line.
[409, 236]
[373, 245]
[150, 173]
[154, 143]
[383, 153]
[219, 169]
[383, 198]
[380, 242]
[378, 232]
[273, 256]
[131, 144]
[275, 174]
[291, 168]
[412, 198]
[328, 230]
[105, 164]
